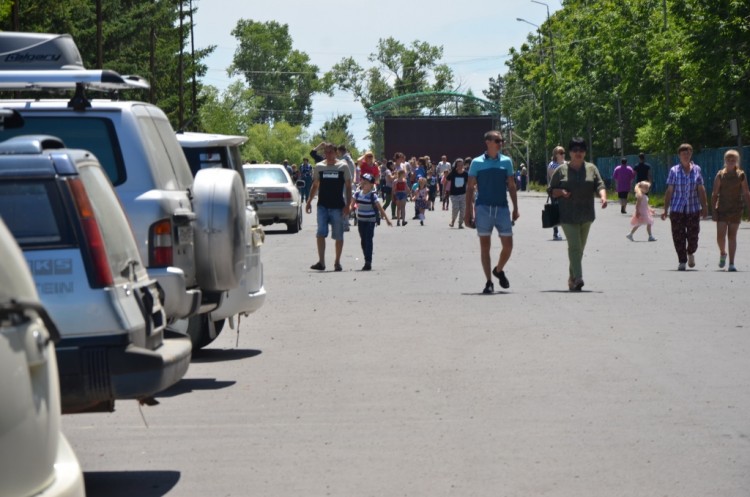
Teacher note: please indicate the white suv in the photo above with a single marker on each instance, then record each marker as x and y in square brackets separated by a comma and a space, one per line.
[35, 457]
[191, 233]
[63, 212]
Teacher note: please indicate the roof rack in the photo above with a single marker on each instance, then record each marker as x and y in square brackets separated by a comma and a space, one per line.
[63, 79]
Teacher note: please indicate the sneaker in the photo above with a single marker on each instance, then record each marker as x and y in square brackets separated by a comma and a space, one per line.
[450, 224]
[489, 288]
[460, 226]
[731, 268]
[398, 223]
[557, 238]
[722, 260]
[366, 267]
[318, 266]
[629, 236]
[691, 260]
[337, 267]
[651, 239]
[500, 275]
[681, 266]
[578, 284]
[421, 223]
[403, 223]
[622, 210]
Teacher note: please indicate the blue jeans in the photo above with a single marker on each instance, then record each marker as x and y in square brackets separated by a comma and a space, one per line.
[334, 217]
[366, 235]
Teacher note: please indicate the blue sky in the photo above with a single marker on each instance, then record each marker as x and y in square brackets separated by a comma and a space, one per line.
[476, 37]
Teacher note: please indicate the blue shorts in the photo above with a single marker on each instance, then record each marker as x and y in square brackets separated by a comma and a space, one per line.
[400, 196]
[487, 217]
[335, 218]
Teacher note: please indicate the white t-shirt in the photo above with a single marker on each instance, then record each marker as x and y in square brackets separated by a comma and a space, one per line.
[443, 166]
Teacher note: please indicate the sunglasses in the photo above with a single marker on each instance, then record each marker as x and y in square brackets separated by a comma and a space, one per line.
[577, 149]
[496, 140]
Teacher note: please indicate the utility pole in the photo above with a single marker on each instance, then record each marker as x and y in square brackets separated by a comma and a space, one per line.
[180, 78]
[668, 150]
[194, 106]
[552, 62]
[99, 36]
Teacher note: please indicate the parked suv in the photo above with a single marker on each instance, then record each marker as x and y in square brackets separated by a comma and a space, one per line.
[35, 457]
[190, 232]
[63, 212]
[204, 151]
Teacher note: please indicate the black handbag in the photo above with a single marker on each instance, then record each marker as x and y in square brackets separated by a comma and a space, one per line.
[550, 214]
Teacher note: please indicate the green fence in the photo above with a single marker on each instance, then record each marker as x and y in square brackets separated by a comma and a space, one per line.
[710, 160]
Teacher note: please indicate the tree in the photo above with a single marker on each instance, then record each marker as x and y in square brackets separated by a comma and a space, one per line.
[231, 112]
[336, 131]
[399, 70]
[276, 143]
[282, 78]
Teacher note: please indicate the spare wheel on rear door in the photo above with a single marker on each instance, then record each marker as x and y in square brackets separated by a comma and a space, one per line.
[219, 203]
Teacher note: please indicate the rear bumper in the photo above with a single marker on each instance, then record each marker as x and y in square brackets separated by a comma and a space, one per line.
[179, 301]
[96, 374]
[268, 211]
[238, 301]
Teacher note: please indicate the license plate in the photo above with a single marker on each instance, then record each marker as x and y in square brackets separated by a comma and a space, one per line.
[257, 196]
[184, 234]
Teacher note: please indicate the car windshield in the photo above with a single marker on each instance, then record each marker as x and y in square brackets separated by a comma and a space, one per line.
[264, 176]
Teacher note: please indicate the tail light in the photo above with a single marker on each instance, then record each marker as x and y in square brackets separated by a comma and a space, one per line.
[278, 196]
[102, 272]
[160, 244]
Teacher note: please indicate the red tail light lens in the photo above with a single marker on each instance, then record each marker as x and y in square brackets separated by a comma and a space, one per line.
[160, 244]
[102, 276]
[278, 196]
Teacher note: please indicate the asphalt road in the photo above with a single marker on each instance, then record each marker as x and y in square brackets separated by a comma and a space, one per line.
[407, 381]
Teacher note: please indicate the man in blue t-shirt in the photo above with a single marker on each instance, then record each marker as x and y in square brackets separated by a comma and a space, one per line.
[491, 178]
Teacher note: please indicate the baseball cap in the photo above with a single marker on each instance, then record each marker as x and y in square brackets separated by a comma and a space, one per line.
[368, 177]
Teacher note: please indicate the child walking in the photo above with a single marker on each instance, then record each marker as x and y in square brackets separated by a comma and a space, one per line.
[643, 213]
[422, 199]
[446, 189]
[368, 207]
[400, 192]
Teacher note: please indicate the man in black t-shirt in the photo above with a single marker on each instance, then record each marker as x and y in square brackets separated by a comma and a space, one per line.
[458, 178]
[332, 182]
[643, 170]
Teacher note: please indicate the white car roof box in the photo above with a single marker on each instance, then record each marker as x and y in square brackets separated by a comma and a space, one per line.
[37, 51]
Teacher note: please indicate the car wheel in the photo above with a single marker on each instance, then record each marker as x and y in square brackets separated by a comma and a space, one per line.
[295, 225]
[199, 333]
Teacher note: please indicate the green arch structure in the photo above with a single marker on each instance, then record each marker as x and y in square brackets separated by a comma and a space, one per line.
[381, 109]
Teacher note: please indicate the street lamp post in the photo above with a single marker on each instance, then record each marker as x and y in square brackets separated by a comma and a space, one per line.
[544, 99]
[552, 62]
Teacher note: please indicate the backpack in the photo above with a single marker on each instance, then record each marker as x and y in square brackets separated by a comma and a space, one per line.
[375, 208]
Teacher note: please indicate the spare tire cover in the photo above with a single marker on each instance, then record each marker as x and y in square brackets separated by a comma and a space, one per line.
[219, 204]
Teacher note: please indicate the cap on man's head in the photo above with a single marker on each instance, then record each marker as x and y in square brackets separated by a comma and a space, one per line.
[368, 177]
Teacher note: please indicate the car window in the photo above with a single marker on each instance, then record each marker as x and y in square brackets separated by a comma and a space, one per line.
[171, 146]
[205, 157]
[264, 176]
[114, 226]
[88, 133]
[33, 212]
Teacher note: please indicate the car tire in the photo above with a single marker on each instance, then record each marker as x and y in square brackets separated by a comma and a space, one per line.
[295, 225]
[198, 331]
[219, 203]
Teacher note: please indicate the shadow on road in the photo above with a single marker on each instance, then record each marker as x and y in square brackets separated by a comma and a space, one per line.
[192, 384]
[222, 355]
[129, 483]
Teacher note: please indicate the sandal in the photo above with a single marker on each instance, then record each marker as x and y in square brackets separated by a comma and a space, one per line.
[337, 267]
[318, 266]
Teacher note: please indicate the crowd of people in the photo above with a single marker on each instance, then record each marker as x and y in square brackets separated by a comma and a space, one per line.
[477, 191]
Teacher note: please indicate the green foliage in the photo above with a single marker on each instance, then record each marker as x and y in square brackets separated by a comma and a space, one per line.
[399, 70]
[601, 68]
[336, 131]
[231, 112]
[275, 143]
[282, 78]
